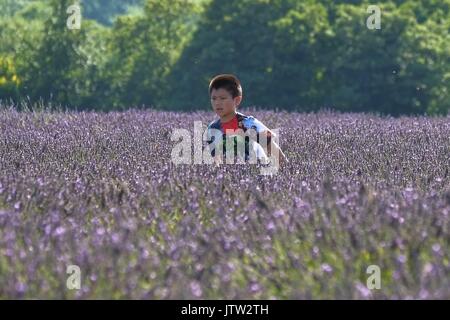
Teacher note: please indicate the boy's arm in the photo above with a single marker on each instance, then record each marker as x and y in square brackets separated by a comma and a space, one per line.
[267, 135]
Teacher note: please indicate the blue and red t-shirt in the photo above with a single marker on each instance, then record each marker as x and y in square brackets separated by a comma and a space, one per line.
[240, 121]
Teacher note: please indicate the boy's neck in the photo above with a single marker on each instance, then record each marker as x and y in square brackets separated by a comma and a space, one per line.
[228, 117]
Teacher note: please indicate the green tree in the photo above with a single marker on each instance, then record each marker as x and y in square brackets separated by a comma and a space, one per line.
[9, 8]
[301, 40]
[394, 70]
[104, 11]
[311, 54]
[61, 67]
[9, 80]
[20, 33]
[232, 37]
[144, 48]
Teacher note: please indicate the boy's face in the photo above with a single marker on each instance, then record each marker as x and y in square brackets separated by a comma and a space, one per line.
[223, 103]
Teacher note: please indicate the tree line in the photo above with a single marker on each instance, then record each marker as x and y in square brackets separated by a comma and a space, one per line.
[289, 54]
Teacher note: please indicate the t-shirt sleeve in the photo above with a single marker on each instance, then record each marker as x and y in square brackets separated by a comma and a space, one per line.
[212, 134]
[253, 123]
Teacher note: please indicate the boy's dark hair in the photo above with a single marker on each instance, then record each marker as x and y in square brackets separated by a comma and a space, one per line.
[228, 82]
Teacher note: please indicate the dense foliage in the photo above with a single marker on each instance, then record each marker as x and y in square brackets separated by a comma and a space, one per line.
[289, 54]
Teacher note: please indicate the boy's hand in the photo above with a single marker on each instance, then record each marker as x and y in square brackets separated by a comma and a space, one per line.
[272, 147]
[281, 159]
[217, 160]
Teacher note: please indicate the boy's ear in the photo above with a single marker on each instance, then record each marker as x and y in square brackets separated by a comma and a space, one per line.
[238, 100]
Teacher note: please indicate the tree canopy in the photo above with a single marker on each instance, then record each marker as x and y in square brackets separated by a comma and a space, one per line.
[292, 55]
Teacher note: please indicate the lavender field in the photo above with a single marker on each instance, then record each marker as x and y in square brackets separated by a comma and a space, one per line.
[98, 190]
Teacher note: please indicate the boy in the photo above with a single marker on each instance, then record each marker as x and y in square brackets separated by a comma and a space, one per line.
[226, 94]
